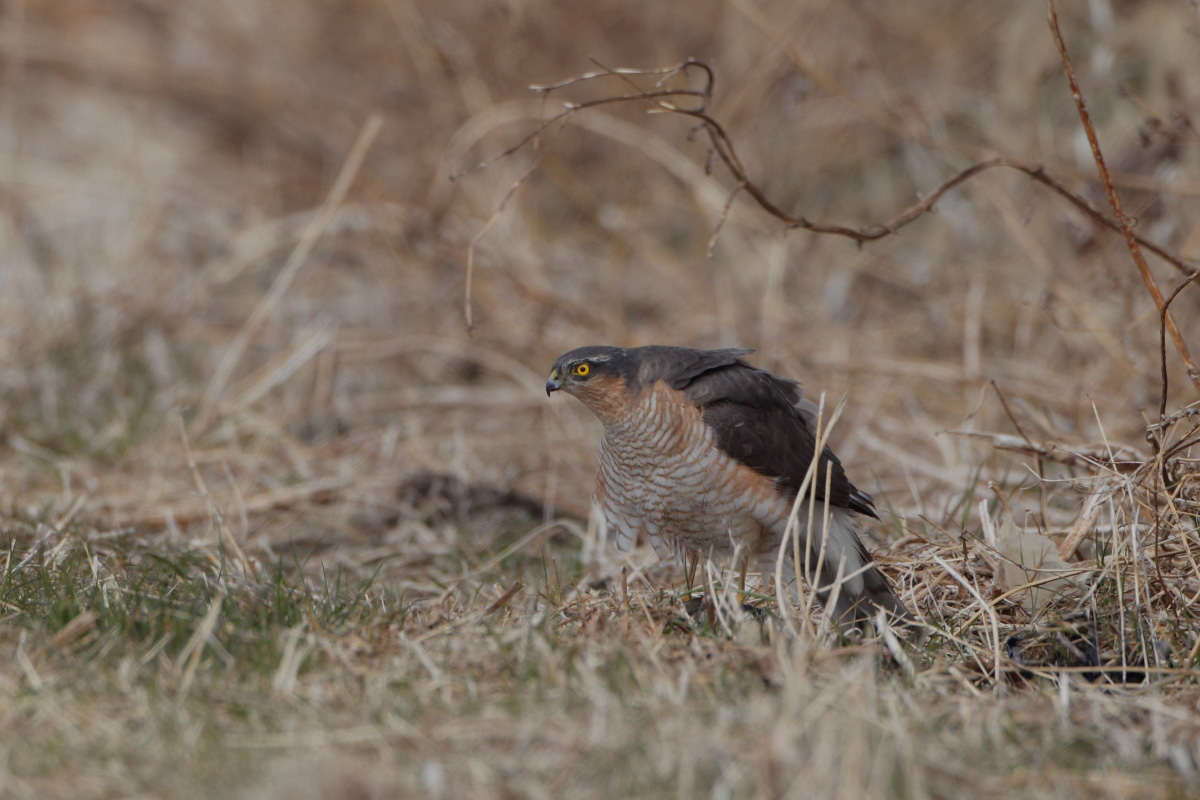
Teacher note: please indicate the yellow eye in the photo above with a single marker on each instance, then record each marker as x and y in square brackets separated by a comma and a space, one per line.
[582, 369]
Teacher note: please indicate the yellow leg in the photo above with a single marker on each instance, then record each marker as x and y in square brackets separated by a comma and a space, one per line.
[742, 583]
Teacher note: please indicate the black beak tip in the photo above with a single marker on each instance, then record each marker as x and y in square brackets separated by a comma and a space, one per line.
[552, 386]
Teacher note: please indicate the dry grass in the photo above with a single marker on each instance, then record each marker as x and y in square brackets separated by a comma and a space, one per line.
[273, 521]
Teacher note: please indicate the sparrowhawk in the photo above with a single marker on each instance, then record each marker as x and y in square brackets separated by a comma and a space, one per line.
[704, 455]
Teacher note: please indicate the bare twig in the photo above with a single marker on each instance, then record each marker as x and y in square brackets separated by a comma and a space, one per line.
[468, 306]
[723, 147]
[1126, 229]
[503, 599]
[1124, 459]
[1162, 344]
[604, 71]
[712, 240]
[571, 109]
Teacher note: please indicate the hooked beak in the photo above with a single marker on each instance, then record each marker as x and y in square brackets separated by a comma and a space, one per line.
[553, 384]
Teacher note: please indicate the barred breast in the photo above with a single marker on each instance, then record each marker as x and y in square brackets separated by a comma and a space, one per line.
[662, 474]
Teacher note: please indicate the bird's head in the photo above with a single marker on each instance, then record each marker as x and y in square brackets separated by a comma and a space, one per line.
[599, 376]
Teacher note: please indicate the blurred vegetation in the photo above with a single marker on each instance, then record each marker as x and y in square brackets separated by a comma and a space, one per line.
[276, 524]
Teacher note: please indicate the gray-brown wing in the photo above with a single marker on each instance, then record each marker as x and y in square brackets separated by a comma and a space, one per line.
[679, 366]
[755, 418]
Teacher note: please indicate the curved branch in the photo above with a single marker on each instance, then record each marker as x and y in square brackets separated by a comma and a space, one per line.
[1131, 240]
[664, 99]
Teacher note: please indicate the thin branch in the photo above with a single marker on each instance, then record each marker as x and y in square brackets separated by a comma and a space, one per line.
[712, 240]
[664, 99]
[572, 108]
[604, 71]
[1162, 341]
[723, 147]
[1126, 229]
[468, 306]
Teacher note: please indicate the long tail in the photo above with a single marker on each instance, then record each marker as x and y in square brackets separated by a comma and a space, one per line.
[848, 577]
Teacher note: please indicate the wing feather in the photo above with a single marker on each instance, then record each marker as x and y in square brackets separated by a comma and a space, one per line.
[757, 419]
[680, 366]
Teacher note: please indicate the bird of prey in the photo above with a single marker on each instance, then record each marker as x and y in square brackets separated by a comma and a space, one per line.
[704, 455]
